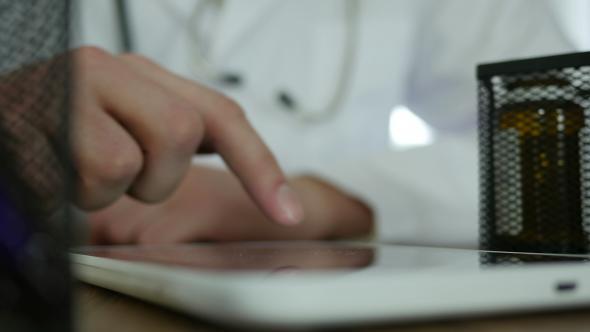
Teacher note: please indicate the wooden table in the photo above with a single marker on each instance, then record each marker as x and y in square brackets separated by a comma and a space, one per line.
[100, 310]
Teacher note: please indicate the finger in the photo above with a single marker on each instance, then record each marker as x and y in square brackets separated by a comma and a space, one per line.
[230, 134]
[105, 156]
[167, 128]
[120, 223]
[212, 205]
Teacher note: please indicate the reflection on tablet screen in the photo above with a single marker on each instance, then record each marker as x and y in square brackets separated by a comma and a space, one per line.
[243, 257]
[321, 256]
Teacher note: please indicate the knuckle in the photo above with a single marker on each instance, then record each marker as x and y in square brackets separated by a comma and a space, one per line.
[230, 109]
[122, 166]
[184, 128]
[123, 163]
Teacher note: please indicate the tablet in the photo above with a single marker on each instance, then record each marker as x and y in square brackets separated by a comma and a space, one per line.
[319, 284]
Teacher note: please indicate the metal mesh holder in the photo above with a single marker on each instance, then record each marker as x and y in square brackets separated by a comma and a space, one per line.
[534, 136]
[490, 259]
[34, 98]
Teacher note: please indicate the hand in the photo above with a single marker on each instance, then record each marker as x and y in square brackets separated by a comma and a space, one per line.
[136, 127]
[211, 205]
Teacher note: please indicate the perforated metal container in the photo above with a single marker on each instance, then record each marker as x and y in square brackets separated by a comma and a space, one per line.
[534, 134]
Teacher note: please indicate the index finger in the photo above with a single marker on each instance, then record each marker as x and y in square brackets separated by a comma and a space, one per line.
[228, 131]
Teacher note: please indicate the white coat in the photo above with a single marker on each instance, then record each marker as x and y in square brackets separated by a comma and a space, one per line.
[421, 54]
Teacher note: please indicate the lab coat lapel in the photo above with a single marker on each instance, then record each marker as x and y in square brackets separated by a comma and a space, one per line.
[237, 17]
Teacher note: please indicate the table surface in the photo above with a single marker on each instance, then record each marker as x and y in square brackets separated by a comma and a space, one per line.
[103, 310]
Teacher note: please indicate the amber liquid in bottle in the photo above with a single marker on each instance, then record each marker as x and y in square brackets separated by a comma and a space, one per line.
[550, 189]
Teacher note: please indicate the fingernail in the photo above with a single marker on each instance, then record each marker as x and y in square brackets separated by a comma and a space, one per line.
[290, 205]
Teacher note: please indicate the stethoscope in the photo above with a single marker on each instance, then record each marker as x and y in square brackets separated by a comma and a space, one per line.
[286, 100]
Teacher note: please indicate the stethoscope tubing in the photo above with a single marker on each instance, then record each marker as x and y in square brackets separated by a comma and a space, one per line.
[126, 41]
[283, 97]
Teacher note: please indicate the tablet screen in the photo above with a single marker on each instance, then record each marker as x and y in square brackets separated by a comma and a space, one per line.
[293, 256]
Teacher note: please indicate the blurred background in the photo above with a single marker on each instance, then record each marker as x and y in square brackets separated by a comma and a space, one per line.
[377, 97]
[404, 128]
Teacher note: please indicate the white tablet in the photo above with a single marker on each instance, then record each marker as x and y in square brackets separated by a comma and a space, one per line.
[315, 284]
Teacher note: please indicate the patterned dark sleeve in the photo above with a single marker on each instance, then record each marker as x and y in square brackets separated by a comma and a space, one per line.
[34, 102]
